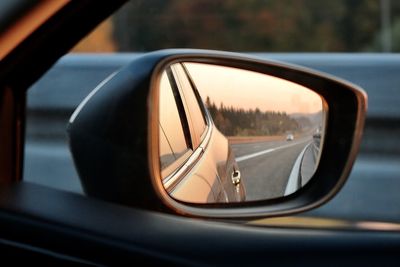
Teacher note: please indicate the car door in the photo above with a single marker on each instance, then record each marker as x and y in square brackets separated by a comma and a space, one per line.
[199, 172]
[179, 146]
[217, 164]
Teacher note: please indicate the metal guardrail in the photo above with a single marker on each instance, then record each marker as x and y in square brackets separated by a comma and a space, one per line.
[54, 97]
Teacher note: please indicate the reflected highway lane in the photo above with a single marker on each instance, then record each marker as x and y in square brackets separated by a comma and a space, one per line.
[266, 166]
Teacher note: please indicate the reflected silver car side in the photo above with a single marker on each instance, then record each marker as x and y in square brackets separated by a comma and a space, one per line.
[207, 171]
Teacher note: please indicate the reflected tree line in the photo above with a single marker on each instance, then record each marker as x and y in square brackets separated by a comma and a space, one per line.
[232, 121]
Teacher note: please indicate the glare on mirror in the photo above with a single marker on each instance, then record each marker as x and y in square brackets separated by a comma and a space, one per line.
[232, 135]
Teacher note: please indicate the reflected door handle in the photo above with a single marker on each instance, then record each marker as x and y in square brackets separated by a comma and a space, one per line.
[235, 177]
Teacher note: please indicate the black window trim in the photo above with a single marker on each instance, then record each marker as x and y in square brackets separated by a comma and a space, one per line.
[174, 167]
[205, 113]
[196, 137]
[181, 109]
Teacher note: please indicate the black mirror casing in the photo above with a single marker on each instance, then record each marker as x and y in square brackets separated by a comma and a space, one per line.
[104, 131]
[112, 136]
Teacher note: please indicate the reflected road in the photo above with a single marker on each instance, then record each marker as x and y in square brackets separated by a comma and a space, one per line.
[267, 166]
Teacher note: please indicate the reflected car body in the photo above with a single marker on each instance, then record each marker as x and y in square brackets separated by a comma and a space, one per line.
[197, 162]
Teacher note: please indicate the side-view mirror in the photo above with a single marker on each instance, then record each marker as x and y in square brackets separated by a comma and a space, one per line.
[237, 123]
[217, 134]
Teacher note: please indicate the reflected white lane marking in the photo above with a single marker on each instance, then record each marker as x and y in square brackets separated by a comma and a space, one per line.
[253, 155]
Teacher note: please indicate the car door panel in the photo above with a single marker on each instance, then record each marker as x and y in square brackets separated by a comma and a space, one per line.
[109, 234]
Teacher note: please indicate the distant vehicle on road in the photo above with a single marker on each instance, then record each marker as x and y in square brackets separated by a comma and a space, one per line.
[317, 138]
[289, 137]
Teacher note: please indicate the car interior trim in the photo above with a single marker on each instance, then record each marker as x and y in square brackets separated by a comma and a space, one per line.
[25, 26]
[90, 225]
[45, 252]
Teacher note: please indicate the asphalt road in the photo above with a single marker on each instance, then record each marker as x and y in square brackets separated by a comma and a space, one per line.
[266, 166]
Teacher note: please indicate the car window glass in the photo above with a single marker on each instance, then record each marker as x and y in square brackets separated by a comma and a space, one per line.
[172, 137]
[146, 25]
[196, 114]
[166, 154]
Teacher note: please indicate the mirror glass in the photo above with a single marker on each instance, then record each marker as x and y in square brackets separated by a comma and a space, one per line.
[232, 135]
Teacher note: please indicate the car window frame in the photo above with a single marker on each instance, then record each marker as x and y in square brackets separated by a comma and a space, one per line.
[179, 101]
[206, 116]
[198, 144]
[197, 137]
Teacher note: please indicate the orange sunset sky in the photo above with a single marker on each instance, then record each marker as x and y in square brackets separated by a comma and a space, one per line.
[250, 90]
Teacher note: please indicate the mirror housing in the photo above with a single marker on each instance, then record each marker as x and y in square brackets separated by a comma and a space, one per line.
[113, 136]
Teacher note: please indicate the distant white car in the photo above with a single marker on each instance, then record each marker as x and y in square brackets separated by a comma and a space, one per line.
[289, 137]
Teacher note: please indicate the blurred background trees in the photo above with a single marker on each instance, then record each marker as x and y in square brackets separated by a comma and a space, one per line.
[259, 25]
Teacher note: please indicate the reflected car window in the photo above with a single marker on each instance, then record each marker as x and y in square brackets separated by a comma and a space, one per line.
[196, 114]
[173, 143]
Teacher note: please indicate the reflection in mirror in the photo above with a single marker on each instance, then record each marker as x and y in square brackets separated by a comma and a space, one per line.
[232, 135]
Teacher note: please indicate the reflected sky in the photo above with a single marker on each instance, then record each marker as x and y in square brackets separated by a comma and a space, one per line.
[250, 90]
